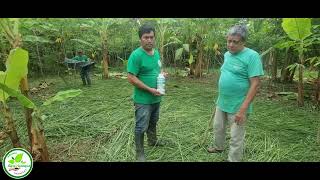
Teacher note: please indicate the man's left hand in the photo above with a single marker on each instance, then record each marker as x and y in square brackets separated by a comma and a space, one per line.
[239, 118]
[165, 74]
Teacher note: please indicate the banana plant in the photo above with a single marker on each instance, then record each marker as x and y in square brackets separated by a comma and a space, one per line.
[179, 52]
[298, 30]
[16, 69]
[39, 150]
[165, 35]
[315, 62]
[15, 75]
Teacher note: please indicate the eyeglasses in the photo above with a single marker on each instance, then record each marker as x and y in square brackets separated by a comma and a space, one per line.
[234, 42]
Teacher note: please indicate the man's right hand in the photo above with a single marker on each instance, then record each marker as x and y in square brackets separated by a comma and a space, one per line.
[154, 91]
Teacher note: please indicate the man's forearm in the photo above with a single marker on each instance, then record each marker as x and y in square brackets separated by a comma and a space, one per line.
[254, 86]
[139, 84]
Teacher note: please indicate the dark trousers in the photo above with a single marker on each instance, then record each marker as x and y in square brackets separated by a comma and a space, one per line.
[85, 76]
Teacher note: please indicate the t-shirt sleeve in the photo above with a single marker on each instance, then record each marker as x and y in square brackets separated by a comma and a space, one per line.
[75, 58]
[133, 64]
[255, 66]
[86, 58]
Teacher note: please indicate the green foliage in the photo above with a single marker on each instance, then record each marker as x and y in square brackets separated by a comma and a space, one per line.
[186, 47]
[32, 38]
[266, 52]
[21, 98]
[283, 45]
[83, 42]
[60, 38]
[315, 61]
[191, 60]
[178, 54]
[17, 63]
[10, 27]
[63, 95]
[16, 70]
[297, 28]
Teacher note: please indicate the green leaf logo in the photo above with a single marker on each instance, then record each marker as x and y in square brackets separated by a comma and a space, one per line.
[19, 157]
[11, 161]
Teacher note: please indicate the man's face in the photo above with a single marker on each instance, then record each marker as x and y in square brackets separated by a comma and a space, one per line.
[147, 41]
[234, 44]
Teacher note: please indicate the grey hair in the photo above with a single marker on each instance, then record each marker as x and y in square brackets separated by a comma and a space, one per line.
[240, 30]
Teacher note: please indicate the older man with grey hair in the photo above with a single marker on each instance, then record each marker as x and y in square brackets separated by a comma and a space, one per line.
[238, 85]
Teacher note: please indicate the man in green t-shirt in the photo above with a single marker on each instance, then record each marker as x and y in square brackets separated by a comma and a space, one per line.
[85, 67]
[143, 68]
[238, 85]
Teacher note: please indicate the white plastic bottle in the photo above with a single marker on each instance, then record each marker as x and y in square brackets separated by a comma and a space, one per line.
[161, 83]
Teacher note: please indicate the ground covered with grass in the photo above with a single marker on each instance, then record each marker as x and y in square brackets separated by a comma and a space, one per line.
[98, 125]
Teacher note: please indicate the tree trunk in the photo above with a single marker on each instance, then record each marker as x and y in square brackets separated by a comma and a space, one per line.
[285, 73]
[161, 55]
[38, 53]
[317, 90]
[192, 69]
[300, 83]
[274, 66]
[162, 29]
[208, 62]
[300, 88]
[105, 65]
[199, 63]
[25, 91]
[35, 131]
[10, 127]
[39, 148]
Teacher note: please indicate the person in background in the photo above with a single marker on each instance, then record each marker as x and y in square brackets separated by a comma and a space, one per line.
[85, 67]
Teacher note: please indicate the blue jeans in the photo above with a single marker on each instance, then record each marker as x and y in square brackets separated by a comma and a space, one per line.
[147, 116]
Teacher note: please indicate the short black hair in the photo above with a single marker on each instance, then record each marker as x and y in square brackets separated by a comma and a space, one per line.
[146, 28]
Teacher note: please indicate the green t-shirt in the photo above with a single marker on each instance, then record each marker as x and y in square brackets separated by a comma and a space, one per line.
[83, 58]
[146, 68]
[234, 82]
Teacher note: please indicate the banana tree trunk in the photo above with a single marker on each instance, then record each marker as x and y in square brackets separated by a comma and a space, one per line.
[35, 129]
[10, 127]
[274, 66]
[317, 92]
[161, 53]
[199, 63]
[25, 91]
[39, 147]
[105, 65]
[285, 74]
[38, 54]
[300, 83]
[208, 62]
[39, 59]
